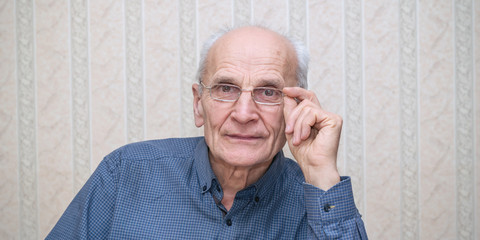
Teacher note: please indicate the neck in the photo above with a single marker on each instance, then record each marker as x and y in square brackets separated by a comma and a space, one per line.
[235, 178]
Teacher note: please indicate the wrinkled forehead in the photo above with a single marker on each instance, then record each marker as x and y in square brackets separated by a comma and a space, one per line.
[253, 47]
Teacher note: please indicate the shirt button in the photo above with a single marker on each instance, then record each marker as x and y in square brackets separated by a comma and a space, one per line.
[204, 188]
[257, 199]
[229, 222]
[326, 207]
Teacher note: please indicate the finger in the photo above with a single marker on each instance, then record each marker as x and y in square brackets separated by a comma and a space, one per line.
[307, 120]
[288, 108]
[301, 94]
[292, 119]
[295, 121]
[297, 130]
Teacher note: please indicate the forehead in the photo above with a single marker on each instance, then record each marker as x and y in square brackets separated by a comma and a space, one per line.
[252, 51]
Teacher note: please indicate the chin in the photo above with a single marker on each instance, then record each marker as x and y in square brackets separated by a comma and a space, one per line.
[245, 153]
[245, 157]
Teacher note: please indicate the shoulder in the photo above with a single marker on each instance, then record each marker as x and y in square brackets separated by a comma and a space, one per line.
[152, 149]
[152, 154]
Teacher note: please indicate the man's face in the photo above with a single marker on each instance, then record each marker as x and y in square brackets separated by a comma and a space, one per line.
[245, 133]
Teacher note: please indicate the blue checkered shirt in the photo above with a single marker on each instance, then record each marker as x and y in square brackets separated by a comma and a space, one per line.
[166, 189]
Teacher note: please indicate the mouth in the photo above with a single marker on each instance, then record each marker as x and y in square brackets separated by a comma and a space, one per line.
[243, 137]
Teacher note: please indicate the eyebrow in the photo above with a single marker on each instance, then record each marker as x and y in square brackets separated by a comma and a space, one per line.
[265, 82]
[270, 82]
[227, 80]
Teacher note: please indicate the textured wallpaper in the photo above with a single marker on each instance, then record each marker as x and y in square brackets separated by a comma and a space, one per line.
[81, 78]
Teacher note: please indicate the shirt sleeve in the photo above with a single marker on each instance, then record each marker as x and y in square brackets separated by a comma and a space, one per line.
[90, 213]
[332, 214]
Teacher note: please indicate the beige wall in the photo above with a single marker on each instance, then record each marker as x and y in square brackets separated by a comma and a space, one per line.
[80, 78]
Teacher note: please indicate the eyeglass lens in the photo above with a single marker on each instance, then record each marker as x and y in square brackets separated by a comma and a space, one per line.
[227, 92]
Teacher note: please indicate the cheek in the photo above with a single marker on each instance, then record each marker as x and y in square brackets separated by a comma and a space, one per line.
[276, 126]
[215, 117]
[274, 120]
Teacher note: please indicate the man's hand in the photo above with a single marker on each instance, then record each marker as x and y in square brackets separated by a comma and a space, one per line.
[313, 136]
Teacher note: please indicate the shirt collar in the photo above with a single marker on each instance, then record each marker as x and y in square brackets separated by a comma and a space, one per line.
[205, 173]
[202, 164]
[265, 184]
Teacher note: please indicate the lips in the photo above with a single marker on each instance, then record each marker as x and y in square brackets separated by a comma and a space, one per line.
[244, 137]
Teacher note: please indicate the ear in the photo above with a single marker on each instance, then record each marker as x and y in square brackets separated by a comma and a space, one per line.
[197, 105]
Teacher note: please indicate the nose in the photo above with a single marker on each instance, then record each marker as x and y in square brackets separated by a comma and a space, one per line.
[245, 109]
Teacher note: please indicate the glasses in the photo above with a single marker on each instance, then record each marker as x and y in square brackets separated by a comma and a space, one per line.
[231, 93]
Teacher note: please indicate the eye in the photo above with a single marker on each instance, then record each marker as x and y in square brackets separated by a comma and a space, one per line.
[268, 92]
[226, 88]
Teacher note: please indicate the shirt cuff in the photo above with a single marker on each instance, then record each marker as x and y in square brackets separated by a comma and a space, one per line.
[332, 205]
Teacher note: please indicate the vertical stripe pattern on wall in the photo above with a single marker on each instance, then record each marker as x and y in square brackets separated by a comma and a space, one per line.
[354, 99]
[27, 144]
[9, 164]
[476, 98]
[464, 112]
[381, 118]
[188, 62]
[134, 70]
[80, 92]
[53, 110]
[297, 19]
[107, 71]
[436, 119]
[408, 119]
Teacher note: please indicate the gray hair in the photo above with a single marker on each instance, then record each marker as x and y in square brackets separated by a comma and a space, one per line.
[301, 52]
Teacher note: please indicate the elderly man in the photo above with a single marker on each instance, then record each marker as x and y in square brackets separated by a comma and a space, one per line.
[233, 183]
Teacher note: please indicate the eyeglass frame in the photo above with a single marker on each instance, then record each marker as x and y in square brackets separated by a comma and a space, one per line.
[240, 93]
